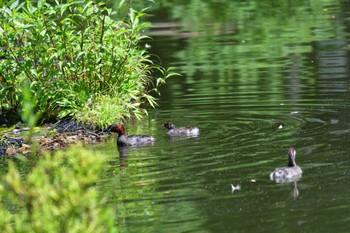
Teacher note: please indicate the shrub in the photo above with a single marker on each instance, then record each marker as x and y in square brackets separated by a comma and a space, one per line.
[58, 195]
[73, 53]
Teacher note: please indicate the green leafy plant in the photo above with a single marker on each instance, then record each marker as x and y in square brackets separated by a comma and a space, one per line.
[74, 52]
[58, 195]
[28, 110]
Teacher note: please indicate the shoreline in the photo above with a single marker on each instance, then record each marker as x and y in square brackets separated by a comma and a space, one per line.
[59, 135]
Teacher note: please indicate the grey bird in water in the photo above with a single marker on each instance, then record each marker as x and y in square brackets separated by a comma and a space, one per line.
[181, 131]
[289, 173]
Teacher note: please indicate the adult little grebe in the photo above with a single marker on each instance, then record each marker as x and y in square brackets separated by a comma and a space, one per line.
[134, 140]
[181, 131]
[290, 172]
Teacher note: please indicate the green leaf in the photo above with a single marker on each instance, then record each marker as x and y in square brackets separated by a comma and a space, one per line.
[121, 4]
[7, 10]
[86, 6]
[14, 4]
[40, 4]
[43, 32]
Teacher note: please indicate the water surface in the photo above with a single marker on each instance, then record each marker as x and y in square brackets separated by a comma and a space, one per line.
[256, 80]
[255, 83]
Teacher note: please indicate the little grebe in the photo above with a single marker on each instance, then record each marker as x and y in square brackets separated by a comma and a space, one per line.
[134, 140]
[181, 131]
[290, 172]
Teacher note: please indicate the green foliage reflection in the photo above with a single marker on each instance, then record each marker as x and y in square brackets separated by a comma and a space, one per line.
[237, 46]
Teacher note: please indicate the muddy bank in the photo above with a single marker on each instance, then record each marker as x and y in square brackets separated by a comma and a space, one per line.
[52, 137]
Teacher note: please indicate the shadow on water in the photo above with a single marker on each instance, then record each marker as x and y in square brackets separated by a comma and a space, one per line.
[255, 84]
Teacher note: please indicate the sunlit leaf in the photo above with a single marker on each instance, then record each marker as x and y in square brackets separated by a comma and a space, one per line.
[14, 4]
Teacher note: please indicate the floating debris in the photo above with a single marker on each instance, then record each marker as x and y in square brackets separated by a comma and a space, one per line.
[278, 125]
[167, 192]
[238, 187]
[252, 180]
[144, 183]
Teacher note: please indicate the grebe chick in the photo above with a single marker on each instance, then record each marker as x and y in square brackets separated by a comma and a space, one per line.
[181, 131]
[291, 172]
[134, 140]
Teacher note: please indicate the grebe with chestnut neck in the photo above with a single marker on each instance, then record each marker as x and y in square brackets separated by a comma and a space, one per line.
[133, 140]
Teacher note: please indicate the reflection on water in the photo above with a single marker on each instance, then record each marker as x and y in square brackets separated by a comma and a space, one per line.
[255, 84]
[295, 192]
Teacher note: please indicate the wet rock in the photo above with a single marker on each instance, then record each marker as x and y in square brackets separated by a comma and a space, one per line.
[63, 140]
[16, 131]
[57, 136]
[69, 125]
[10, 144]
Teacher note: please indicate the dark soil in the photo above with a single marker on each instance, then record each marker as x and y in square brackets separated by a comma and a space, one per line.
[9, 118]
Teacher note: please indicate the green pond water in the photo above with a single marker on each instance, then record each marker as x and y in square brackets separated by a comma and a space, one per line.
[257, 78]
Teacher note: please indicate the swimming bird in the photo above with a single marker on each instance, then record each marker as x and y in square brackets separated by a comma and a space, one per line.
[289, 173]
[181, 131]
[134, 140]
